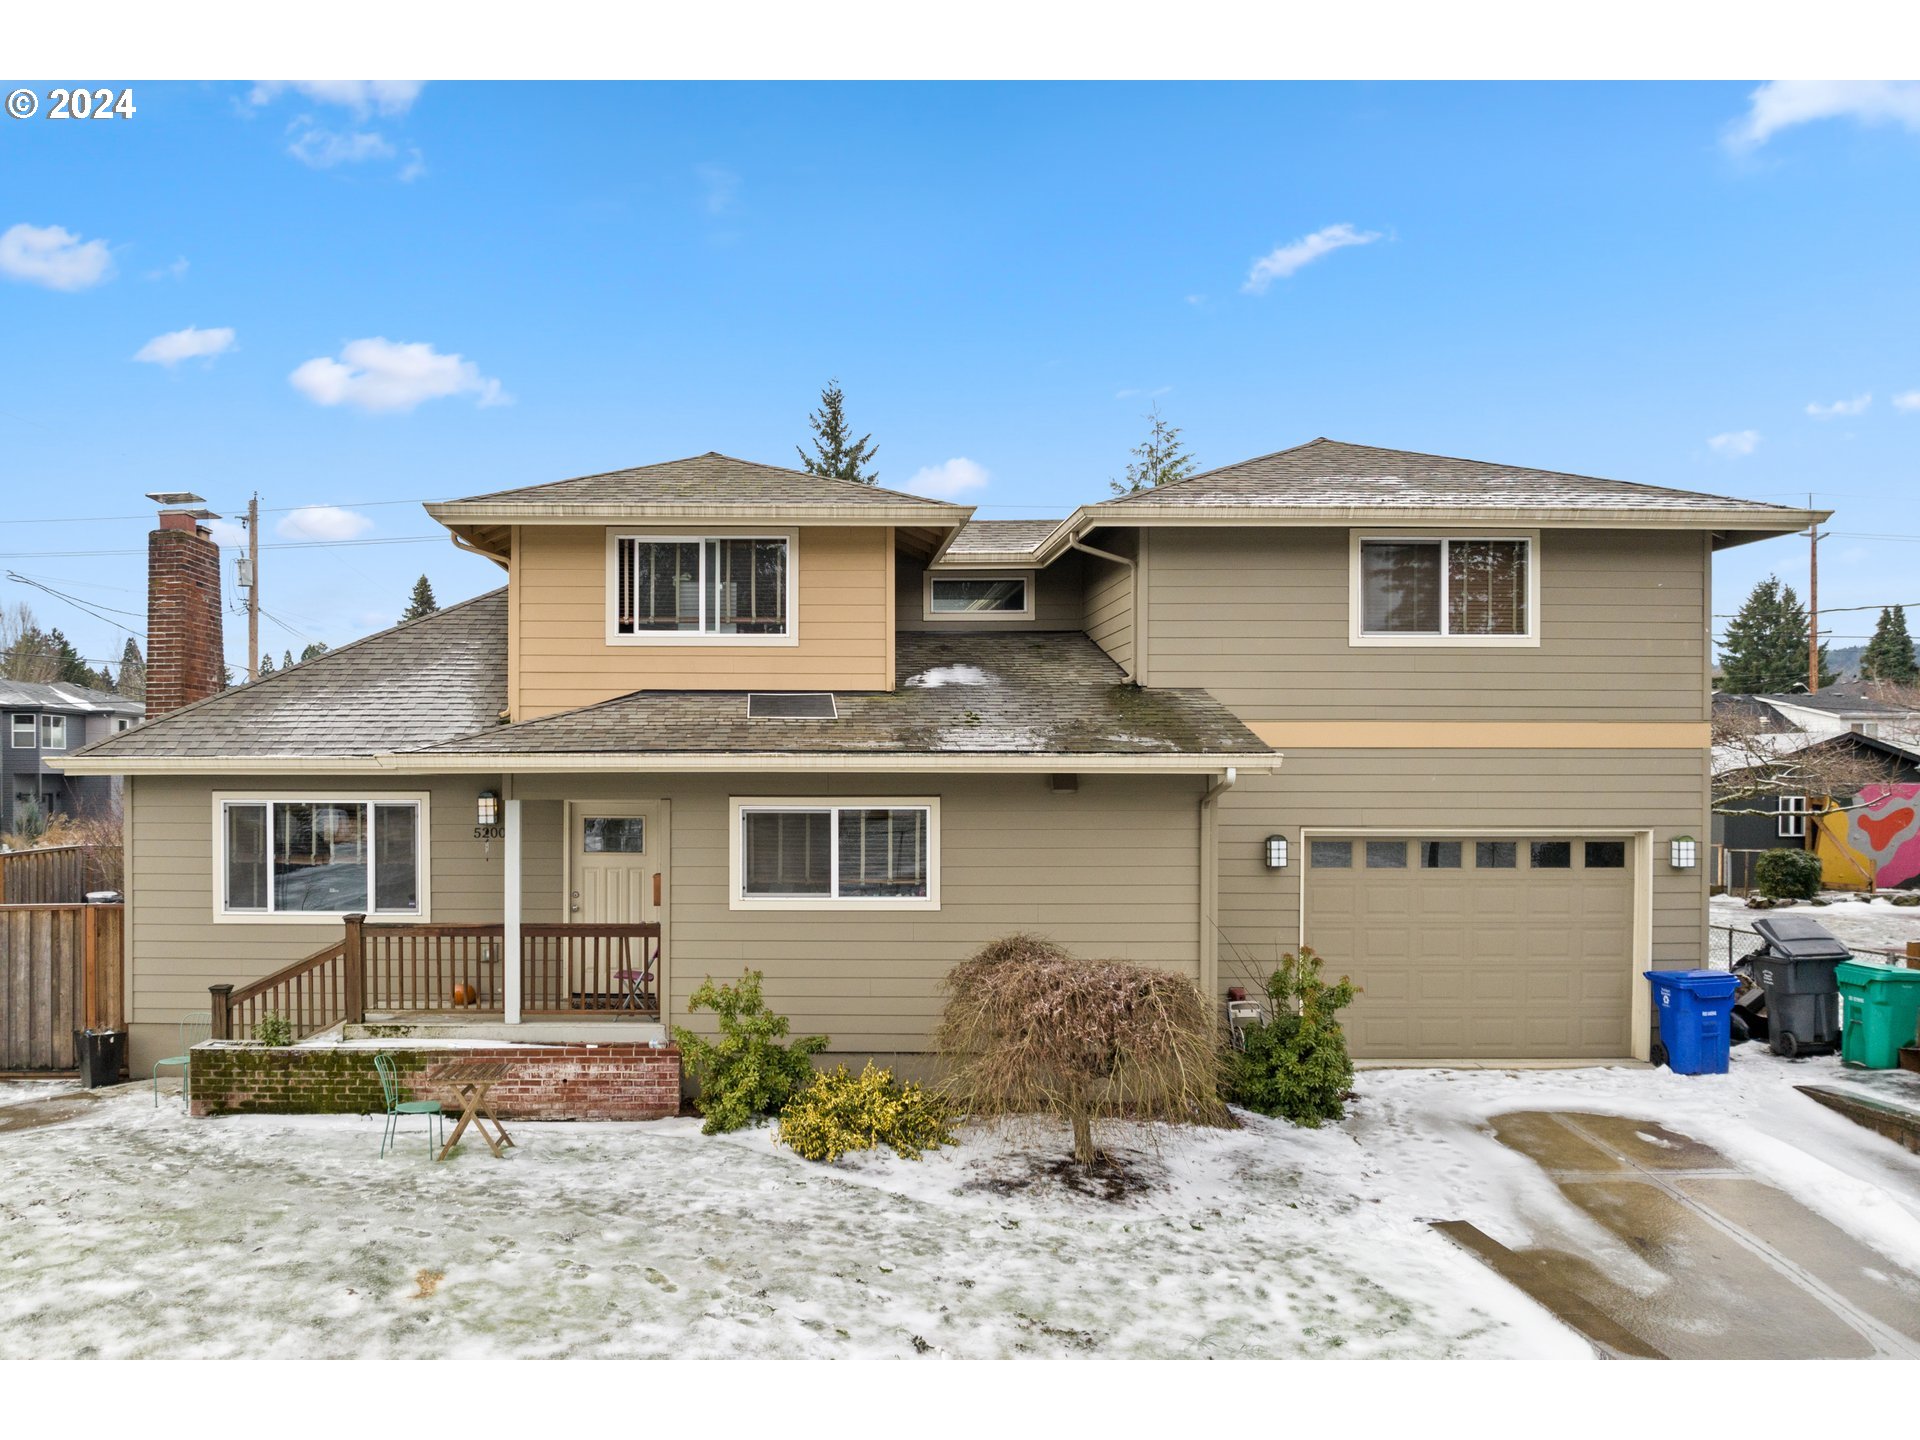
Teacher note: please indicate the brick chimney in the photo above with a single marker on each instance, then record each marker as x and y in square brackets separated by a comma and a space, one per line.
[185, 647]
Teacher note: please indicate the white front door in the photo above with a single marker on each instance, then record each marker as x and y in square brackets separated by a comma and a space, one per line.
[617, 875]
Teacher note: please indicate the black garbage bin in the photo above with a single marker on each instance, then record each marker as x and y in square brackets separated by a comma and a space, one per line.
[1795, 968]
[102, 1055]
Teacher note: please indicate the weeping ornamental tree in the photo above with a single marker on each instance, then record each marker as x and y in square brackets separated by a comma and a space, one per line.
[1029, 1029]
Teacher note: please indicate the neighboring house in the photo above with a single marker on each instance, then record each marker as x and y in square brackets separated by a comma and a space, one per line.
[1869, 839]
[42, 723]
[1440, 719]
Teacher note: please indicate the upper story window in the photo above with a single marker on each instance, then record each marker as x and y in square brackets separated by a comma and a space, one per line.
[53, 732]
[1432, 589]
[25, 731]
[701, 588]
[1007, 596]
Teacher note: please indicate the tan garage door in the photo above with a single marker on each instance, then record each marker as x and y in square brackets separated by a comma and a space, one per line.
[1477, 949]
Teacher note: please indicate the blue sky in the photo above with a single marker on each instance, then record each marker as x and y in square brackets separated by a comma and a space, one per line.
[444, 290]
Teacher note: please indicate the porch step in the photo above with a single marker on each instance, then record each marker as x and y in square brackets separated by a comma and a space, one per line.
[452, 1029]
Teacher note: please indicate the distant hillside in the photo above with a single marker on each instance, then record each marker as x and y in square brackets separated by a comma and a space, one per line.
[1846, 663]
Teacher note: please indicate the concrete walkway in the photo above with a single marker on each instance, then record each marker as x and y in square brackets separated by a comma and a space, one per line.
[1710, 1263]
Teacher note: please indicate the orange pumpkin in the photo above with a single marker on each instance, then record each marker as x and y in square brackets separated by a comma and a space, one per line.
[465, 994]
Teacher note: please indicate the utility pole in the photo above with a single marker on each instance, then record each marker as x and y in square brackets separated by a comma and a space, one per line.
[253, 587]
[1813, 604]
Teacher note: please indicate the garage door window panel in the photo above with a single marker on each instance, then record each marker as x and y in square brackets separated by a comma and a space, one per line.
[1496, 855]
[1551, 855]
[1331, 854]
[1386, 854]
[1439, 854]
[1606, 854]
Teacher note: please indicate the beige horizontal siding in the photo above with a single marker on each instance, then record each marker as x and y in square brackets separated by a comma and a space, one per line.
[559, 657]
[1108, 611]
[1260, 618]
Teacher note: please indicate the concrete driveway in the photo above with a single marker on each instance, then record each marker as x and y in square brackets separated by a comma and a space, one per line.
[1696, 1258]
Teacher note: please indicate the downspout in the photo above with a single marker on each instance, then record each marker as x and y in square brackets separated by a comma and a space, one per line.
[1209, 956]
[1074, 542]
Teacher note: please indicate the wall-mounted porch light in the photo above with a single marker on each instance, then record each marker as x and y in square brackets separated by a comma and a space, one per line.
[1276, 853]
[486, 816]
[1686, 852]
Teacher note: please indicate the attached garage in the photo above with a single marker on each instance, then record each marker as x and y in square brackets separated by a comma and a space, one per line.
[1495, 948]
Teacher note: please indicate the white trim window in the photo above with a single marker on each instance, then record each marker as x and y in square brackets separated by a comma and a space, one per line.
[812, 853]
[298, 857]
[53, 732]
[26, 732]
[1793, 817]
[1004, 595]
[700, 589]
[1444, 589]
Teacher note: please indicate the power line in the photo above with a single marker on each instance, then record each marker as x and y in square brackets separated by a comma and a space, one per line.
[282, 545]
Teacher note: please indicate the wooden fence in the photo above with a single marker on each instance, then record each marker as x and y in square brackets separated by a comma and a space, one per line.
[57, 874]
[384, 969]
[60, 971]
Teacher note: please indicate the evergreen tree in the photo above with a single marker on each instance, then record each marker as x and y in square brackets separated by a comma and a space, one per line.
[266, 666]
[317, 647]
[286, 660]
[72, 670]
[421, 602]
[1160, 459]
[102, 680]
[1889, 655]
[1766, 647]
[836, 453]
[133, 671]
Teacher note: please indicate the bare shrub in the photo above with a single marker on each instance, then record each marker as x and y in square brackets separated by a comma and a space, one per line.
[1029, 1029]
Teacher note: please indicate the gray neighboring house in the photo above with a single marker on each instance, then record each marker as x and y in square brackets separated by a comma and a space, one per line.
[42, 723]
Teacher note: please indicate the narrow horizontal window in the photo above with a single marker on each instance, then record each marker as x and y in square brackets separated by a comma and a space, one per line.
[321, 857]
[1445, 588]
[1496, 855]
[1331, 854]
[1439, 854]
[614, 835]
[1606, 854]
[856, 853]
[1552, 855]
[955, 595]
[1386, 854]
[700, 586]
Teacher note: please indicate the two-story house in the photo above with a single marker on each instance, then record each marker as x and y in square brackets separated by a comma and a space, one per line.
[1442, 720]
[40, 724]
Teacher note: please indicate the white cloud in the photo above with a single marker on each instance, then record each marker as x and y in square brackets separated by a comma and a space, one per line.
[1735, 443]
[56, 258]
[719, 188]
[362, 97]
[176, 271]
[1907, 400]
[324, 149]
[1781, 104]
[1856, 406]
[228, 532]
[415, 167]
[949, 480]
[1284, 260]
[1134, 393]
[188, 344]
[323, 522]
[380, 374]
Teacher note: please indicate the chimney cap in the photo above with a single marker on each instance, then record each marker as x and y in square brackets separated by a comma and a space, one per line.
[175, 498]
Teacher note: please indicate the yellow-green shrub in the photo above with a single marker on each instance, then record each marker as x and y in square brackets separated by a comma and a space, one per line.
[840, 1112]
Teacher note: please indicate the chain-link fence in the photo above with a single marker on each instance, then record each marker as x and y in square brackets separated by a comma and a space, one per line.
[1727, 945]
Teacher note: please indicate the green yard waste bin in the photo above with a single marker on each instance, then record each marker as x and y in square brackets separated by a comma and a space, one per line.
[1880, 1010]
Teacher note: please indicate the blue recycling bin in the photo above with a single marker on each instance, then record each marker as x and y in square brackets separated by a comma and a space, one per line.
[1695, 1009]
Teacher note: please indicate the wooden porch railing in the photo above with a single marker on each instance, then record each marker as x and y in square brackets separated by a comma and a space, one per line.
[401, 969]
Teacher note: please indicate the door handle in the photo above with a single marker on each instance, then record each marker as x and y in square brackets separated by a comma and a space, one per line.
[574, 907]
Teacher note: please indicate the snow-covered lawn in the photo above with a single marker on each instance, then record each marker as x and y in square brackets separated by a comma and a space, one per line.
[1875, 925]
[140, 1232]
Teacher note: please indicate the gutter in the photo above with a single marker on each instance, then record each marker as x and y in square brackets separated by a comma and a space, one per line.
[460, 542]
[776, 762]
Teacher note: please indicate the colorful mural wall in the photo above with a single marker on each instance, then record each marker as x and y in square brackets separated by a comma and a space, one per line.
[1876, 844]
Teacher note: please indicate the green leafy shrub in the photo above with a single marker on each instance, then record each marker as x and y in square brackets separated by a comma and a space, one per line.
[748, 1072]
[840, 1112]
[273, 1029]
[1787, 875]
[1296, 1065]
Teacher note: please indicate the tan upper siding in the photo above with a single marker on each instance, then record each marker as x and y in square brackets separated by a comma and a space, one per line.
[1056, 599]
[561, 659]
[1107, 600]
[1260, 618]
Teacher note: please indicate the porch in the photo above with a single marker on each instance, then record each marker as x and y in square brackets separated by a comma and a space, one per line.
[455, 978]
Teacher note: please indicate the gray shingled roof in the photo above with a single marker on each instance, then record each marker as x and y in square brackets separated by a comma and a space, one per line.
[1002, 537]
[712, 478]
[1037, 693]
[1332, 473]
[430, 679]
[24, 695]
[1841, 700]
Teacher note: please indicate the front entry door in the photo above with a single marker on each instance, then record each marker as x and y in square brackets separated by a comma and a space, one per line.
[618, 871]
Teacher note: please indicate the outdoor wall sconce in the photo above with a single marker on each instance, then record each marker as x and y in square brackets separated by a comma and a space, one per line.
[1276, 852]
[486, 817]
[1686, 852]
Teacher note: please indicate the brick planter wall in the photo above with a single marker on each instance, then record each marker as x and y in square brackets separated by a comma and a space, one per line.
[549, 1082]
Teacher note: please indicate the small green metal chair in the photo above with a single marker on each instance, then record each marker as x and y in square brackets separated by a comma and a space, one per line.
[396, 1107]
[193, 1029]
